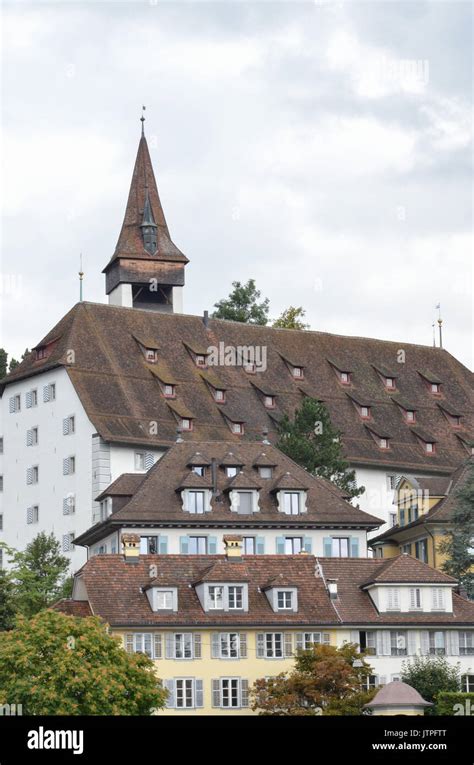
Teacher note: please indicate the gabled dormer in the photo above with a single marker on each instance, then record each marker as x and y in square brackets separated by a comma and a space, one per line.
[282, 594]
[342, 371]
[224, 586]
[196, 493]
[149, 348]
[291, 494]
[387, 375]
[243, 490]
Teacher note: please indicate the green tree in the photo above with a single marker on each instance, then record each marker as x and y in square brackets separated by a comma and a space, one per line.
[242, 305]
[291, 319]
[38, 574]
[324, 681]
[430, 675]
[55, 664]
[7, 601]
[311, 441]
[3, 362]
[458, 543]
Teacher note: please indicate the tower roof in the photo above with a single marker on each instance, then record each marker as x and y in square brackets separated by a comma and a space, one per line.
[144, 205]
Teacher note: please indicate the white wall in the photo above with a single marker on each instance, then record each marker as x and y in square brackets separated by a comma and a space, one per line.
[378, 497]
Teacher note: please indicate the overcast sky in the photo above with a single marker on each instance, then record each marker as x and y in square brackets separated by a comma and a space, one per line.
[322, 148]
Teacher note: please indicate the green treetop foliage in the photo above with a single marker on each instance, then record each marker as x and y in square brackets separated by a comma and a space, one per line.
[3, 362]
[55, 664]
[243, 305]
[458, 544]
[291, 319]
[38, 573]
[7, 601]
[311, 441]
[323, 681]
[430, 675]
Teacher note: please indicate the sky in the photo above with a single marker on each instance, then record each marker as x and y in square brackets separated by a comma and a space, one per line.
[322, 148]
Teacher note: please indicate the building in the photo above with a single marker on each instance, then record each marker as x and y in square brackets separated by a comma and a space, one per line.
[397, 698]
[200, 492]
[215, 623]
[425, 508]
[103, 393]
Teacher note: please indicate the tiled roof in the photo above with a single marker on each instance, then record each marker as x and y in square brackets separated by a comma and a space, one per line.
[405, 568]
[124, 486]
[158, 501]
[72, 607]
[121, 396]
[398, 694]
[116, 591]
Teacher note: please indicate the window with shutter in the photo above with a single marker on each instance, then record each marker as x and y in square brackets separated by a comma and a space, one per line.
[46, 394]
[438, 603]
[169, 686]
[149, 461]
[244, 693]
[157, 645]
[216, 693]
[199, 693]
[128, 642]
[393, 599]
[197, 646]
[415, 599]
[29, 437]
[260, 645]
[288, 644]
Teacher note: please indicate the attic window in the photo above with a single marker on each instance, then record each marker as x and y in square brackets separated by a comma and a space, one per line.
[169, 391]
[201, 360]
[364, 412]
[454, 420]
[409, 415]
[219, 395]
[186, 423]
[383, 443]
[430, 447]
[237, 428]
[345, 378]
[389, 383]
[265, 472]
[297, 372]
[151, 355]
[269, 402]
[231, 471]
[435, 388]
[41, 353]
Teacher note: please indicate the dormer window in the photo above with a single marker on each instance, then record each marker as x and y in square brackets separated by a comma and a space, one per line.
[345, 378]
[186, 423]
[169, 391]
[227, 597]
[198, 469]
[151, 355]
[237, 428]
[383, 443]
[454, 420]
[216, 598]
[164, 600]
[430, 447]
[282, 598]
[285, 600]
[297, 372]
[435, 388]
[41, 353]
[291, 502]
[389, 383]
[265, 472]
[219, 396]
[201, 360]
[410, 415]
[231, 471]
[269, 402]
[195, 501]
[244, 501]
[365, 412]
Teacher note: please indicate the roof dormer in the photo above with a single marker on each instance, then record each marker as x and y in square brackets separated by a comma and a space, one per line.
[342, 371]
[198, 353]
[282, 594]
[388, 376]
[431, 381]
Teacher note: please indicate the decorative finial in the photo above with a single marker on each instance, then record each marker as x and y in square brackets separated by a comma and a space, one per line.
[81, 276]
[434, 335]
[440, 322]
[142, 120]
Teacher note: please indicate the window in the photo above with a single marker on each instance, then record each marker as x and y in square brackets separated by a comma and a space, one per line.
[466, 643]
[429, 447]
[284, 600]
[291, 502]
[467, 683]
[235, 595]
[244, 502]
[345, 378]
[32, 437]
[32, 474]
[293, 545]
[230, 693]
[216, 598]
[151, 355]
[367, 642]
[393, 599]
[31, 398]
[1, 482]
[1, 521]
[68, 540]
[14, 404]
[229, 645]
[398, 643]
[195, 502]
[269, 402]
[198, 470]
[219, 396]
[297, 372]
[149, 545]
[186, 423]
[437, 644]
[231, 471]
[274, 645]
[438, 603]
[383, 443]
[49, 392]
[389, 383]
[69, 425]
[421, 550]
[416, 602]
[406, 548]
[168, 391]
[237, 428]
[164, 600]
[32, 514]
[435, 388]
[305, 640]
[392, 519]
[197, 545]
[69, 466]
[1, 445]
[183, 645]
[184, 693]
[340, 547]
[69, 504]
[365, 412]
[249, 546]
[410, 415]
[200, 360]
[265, 472]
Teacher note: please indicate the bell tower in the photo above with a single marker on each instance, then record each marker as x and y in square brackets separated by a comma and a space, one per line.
[147, 269]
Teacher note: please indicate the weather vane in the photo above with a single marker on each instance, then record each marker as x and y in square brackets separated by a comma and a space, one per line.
[142, 120]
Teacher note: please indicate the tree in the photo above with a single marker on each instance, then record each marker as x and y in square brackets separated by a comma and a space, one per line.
[311, 441]
[242, 305]
[324, 681]
[14, 363]
[3, 362]
[458, 542]
[7, 601]
[55, 664]
[430, 675]
[291, 319]
[38, 574]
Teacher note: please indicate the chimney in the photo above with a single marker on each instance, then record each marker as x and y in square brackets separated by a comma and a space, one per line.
[233, 547]
[332, 588]
[205, 319]
[131, 547]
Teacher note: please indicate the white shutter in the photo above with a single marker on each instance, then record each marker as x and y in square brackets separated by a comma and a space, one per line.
[149, 461]
[29, 437]
[69, 504]
[11, 404]
[29, 399]
[47, 393]
[197, 646]
[199, 693]
[169, 686]
[299, 641]
[215, 652]
[452, 643]
[147, 644]
[66, 542]
[169, 648]
[157, 650]
[288, 644]
[386, 643]
[425, 642]
[260, 645]
[66, 423]
[29, 515]
[243, 645]
[244, 693]
[411, 638]
[216, 693]
[128, 642]
[29, 475]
